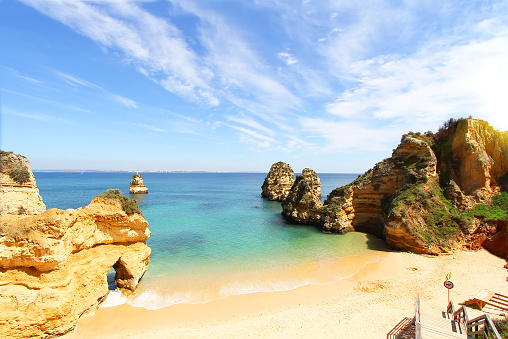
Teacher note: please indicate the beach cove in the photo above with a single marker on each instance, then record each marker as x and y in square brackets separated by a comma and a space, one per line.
[373, 288]
[213, 236]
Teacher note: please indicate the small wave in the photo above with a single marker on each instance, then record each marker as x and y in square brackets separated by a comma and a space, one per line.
[152, 300]
[114, 298]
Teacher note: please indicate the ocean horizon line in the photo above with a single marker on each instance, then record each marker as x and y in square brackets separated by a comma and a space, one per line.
[160, 171]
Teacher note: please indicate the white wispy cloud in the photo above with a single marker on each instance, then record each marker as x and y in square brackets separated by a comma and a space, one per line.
[153, 45]
[439, 81]
[21, 76]
[349, 136]
[392, 74]
[37, 116]
[77, 81]
[45, 100]
[250, 122]
[351, 74]
[150, 127]
[287, 58]
[293, 143]
[243, 76]
[253, 137]
[124, 101]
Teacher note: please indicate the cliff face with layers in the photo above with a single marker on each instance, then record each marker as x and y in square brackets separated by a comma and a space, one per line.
[278, 182]
[18, 197]
[54, 265]
[418, 199]
[360, 206]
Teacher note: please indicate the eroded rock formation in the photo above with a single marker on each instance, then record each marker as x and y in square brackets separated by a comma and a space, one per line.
[137, 186]
[54, 265]
[18, 197]
[474, 157]
[414, 198]
[278, 182]
[304, 199]
[496, 238]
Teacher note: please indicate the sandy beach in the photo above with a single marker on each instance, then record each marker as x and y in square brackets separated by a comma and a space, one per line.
[366, 305]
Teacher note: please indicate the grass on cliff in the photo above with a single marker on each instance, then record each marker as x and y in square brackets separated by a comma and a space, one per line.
[19, 175]
[442, 220]
[497, 209]
[129, 206]
[340, 190]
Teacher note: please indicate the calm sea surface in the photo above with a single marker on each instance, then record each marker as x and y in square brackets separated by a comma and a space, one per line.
[214, 236]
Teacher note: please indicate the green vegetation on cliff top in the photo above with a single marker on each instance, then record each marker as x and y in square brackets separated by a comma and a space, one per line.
[129, 206]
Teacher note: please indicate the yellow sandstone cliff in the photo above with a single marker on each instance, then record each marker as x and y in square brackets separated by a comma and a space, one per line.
[54, 265]
[18, 197]
[418, 198]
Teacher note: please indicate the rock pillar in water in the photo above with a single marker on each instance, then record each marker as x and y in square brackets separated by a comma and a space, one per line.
[278, 182]
[137, 186]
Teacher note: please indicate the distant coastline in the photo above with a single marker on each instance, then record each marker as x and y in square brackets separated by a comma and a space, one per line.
[131, 171]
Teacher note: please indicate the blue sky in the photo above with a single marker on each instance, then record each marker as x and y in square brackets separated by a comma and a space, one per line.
[238, 85]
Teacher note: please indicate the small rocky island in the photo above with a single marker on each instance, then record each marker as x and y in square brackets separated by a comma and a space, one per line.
[137, 186]
[437, 192]
[278, 182]
[54, 263]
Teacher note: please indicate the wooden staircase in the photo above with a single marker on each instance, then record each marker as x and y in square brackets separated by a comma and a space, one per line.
[454, 323]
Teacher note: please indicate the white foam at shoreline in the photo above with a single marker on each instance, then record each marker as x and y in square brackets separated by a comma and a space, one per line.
[114, 298]
[154, 300]
[151, 300]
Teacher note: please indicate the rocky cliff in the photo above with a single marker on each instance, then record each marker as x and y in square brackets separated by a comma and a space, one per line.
[278, 182]
[137, 186]
[18, 190]
[303, 200]
[54, 265]
[423, 197]
[474, 159]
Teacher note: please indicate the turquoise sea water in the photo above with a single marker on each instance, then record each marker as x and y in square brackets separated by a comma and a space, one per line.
[214, 236]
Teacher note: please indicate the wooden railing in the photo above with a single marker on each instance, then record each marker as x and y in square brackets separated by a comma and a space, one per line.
[482, 325]
[459, 315]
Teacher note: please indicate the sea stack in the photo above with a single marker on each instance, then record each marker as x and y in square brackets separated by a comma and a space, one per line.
[137, 186]
[278, 182]
[303, 203]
